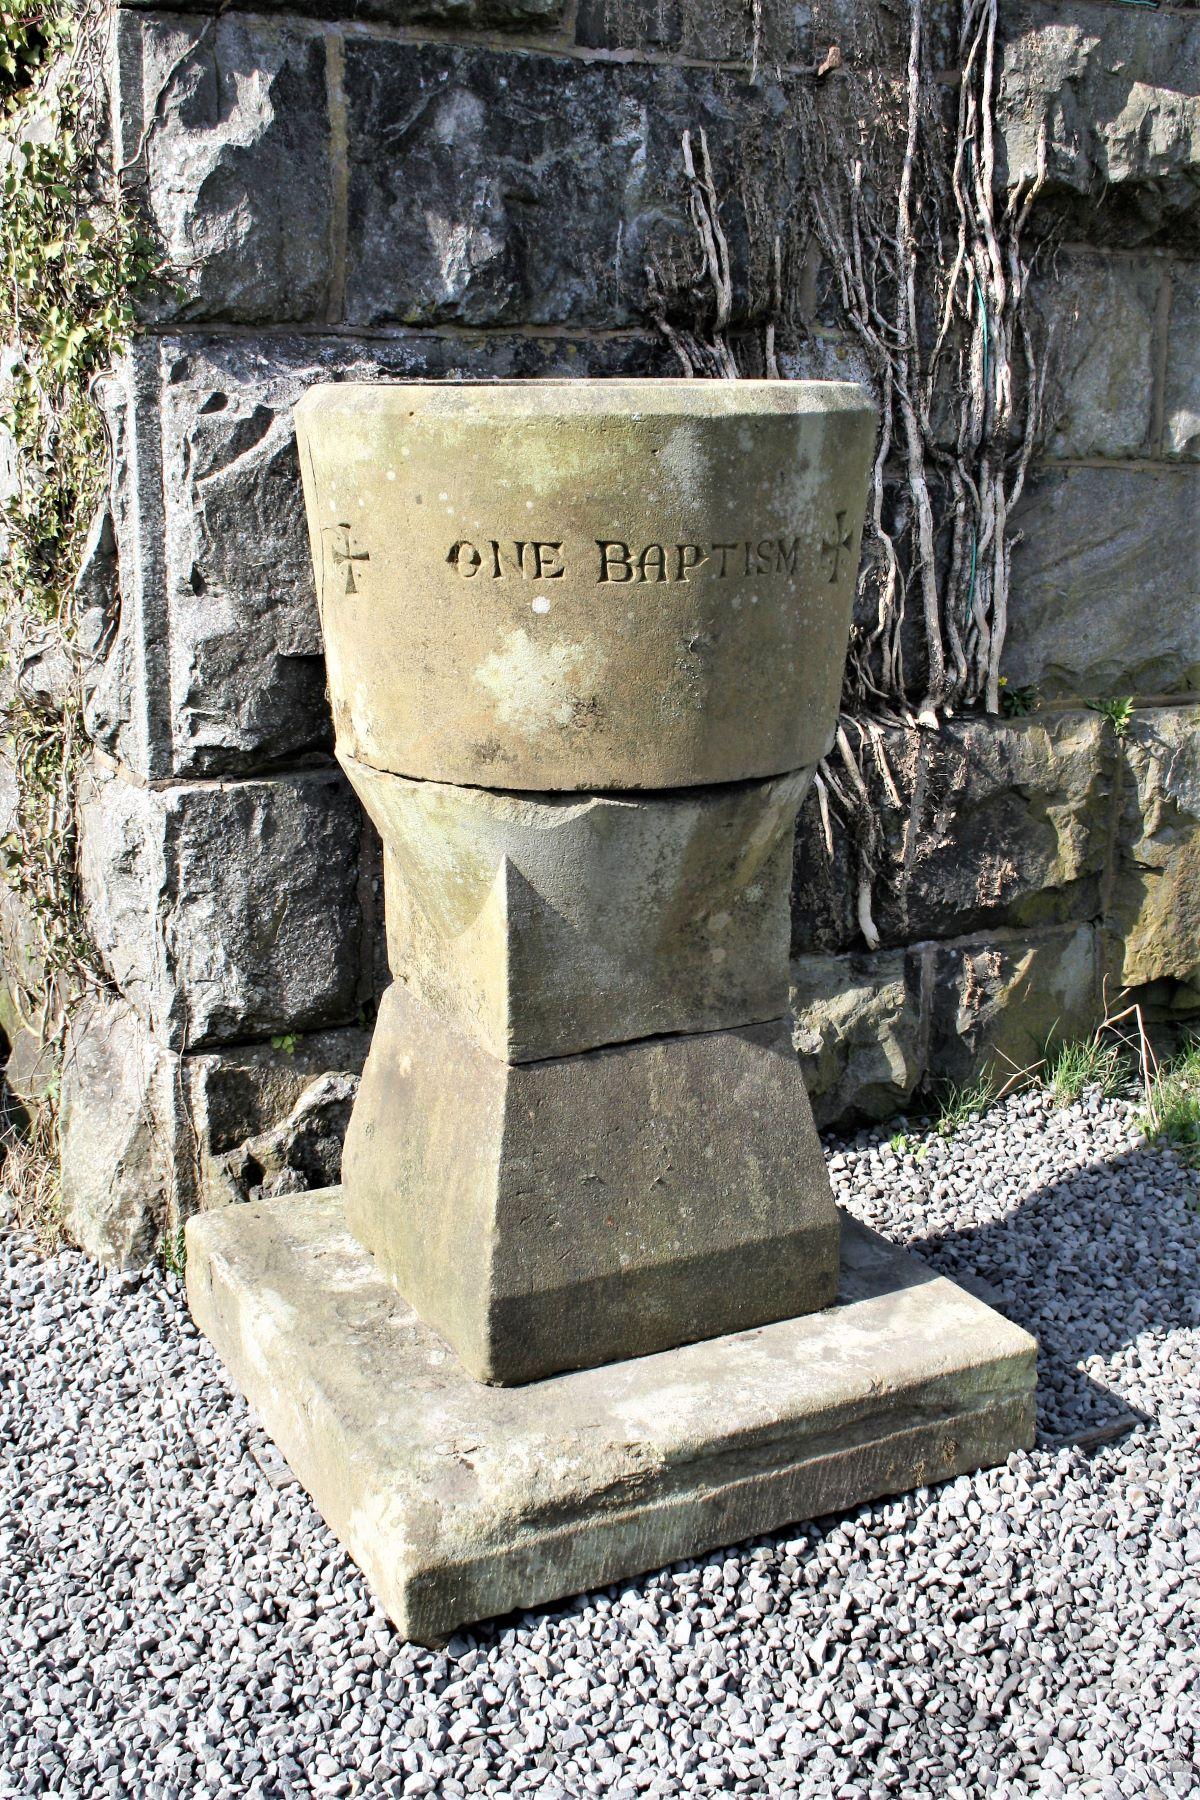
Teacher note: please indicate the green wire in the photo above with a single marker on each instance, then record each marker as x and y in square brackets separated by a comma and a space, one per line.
[987, 343]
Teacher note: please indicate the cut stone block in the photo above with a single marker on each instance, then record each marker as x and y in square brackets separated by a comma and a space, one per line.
[1107, 111]
[457, 166]
[500, 15]
[270, 1118]
[564, 1213]
[119, 1131]
[1002, 822]
[1156, 897]
[546, 924]
[708, 30]
[858, 1033]
[1091, 537]
[1181, 401]
[997, 1003]
[226, 911]
[148, 1136]
[1101, 314]
[224, 134]
[581, 585]
[459, 1501]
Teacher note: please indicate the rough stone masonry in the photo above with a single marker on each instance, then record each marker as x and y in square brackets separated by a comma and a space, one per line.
[404, 188]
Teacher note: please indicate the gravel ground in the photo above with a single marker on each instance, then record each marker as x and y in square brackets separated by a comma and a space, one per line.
[178, 1621]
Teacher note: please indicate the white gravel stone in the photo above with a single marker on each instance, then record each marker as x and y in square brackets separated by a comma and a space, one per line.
[175, 1620]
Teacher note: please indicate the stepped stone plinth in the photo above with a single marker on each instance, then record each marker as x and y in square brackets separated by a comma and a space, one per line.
[585, 644]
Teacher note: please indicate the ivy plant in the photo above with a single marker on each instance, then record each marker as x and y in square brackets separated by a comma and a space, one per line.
[72, 259]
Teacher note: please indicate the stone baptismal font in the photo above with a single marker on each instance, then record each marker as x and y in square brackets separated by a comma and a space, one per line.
[584, 1304]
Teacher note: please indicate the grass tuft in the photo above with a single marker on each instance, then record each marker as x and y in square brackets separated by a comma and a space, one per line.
[1090, 1063]
[1172, 1111]
[29, 1152]
[959, 1104]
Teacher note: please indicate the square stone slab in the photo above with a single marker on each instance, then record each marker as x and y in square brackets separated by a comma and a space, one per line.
[459, 1501]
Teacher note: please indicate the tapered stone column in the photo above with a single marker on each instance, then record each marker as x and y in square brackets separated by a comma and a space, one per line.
[585, 644]
[582, 1132]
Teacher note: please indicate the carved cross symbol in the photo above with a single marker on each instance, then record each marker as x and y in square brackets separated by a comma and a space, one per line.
[345, 555]
[834, 546]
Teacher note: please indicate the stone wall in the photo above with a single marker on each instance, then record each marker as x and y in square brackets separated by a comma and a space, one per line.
[363, 189]
[1037, 866]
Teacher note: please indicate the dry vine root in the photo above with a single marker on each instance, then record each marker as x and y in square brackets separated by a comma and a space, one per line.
[932, 283]
[702, 346]
[936, 298]
[934, 290]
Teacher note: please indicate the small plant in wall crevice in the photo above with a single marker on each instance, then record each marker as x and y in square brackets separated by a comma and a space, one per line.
[1118, 710]
[1017, 702]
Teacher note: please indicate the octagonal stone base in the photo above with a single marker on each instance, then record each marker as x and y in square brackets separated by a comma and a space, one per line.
[459, 1501]
[548, 924]
[565, 1213]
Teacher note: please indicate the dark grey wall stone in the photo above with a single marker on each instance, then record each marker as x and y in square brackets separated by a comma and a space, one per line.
[495, 15]
[706, 30]
[270, 1117]
[998, 1005]
[488, 188]
[1116, 91]
[1001, 823]
[227, 911]
[1101, 313]
[118, 1133]
[224, 140]
[1181, 401]
[857, 1032]
[1156, 899]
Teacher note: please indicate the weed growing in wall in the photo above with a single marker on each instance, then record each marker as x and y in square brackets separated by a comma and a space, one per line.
[1118, 711]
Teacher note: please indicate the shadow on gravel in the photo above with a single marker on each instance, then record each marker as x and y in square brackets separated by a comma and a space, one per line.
[1089, 1264]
